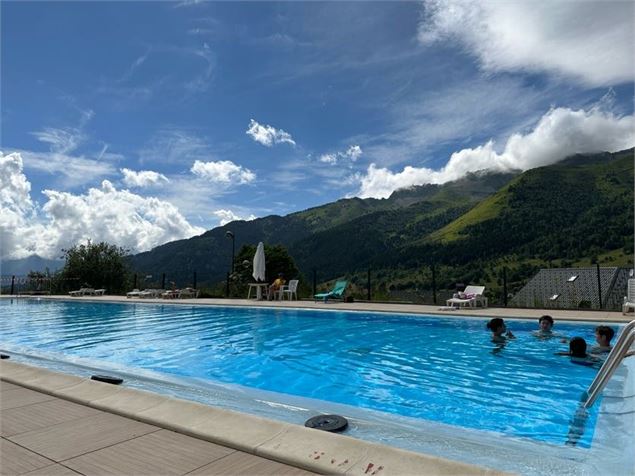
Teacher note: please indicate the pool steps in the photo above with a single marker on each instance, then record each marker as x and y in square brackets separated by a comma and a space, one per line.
[313, 450]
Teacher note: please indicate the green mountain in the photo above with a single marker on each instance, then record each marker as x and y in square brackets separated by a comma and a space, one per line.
[578, 210]
[317, 236]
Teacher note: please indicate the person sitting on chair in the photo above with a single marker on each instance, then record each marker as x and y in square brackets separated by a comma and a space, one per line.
[276, 286]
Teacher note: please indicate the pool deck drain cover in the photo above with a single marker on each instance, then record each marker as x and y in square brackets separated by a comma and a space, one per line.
[333, 423]
[107, 379]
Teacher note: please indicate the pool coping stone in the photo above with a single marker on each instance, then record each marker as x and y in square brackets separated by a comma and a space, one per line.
[310, 449]
[583, 315]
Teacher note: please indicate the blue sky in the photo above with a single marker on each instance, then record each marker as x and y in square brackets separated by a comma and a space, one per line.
[143, 122]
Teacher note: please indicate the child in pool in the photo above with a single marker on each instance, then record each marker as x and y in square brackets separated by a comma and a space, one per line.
[500, 333]
[577, 352]
[545, 323]
[603, 336]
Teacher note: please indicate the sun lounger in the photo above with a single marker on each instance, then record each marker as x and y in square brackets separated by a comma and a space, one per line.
[82, 292]
[188, 293]
[151, 293]
[472, 297]
[336, 293]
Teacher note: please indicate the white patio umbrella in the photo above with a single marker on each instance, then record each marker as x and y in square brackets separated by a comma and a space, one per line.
[259, 263]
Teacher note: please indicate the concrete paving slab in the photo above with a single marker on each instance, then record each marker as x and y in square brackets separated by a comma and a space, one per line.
[73, 438]
[161, 453]
[7, 386]
[40, 415]
[16, 460]
[53, 470]
[242, 463]
[21, 397]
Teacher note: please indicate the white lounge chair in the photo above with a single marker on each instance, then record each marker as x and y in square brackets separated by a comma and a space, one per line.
[472, 296]
[291, 290]
[629, 300]
[82, 292]
[151, 293]
[134, 293]
[188, 293]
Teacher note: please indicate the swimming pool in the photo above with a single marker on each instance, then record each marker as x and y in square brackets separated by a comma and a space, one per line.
[425, 368]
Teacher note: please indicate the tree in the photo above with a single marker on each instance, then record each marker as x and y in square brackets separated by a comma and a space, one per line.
[277, 260]
[98, 265]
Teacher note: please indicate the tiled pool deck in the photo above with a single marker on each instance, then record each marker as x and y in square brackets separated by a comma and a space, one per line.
[53, 423]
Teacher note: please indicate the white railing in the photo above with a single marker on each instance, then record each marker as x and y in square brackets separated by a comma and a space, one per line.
[615, 357]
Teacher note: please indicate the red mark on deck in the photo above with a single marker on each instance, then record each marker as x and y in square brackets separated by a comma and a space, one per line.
[369, 467]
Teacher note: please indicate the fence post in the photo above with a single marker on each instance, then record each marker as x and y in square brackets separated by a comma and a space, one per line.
[434, 285]
[599, 287]
[12, 283]
[368, 297]
[163, 281]
[227, 289]
[505, 286]
[314, 281]
[194, 280]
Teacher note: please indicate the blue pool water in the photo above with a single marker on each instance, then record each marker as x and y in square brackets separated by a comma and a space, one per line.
[440, 369]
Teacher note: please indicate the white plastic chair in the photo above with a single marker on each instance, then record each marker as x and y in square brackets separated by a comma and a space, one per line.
[291, 290]
[629, 300]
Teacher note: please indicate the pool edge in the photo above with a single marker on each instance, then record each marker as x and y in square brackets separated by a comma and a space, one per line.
[313, 450]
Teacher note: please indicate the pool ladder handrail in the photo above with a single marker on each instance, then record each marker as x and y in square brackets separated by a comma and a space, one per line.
[615, 357]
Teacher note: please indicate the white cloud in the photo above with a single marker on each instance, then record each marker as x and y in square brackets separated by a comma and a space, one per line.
[175, 146]
[559, 133]
[592, 41]
[268, 135]
[60, 140]
[74, 170]
[101, 214]
[143, 178]
[227, 216]
[353, 153]
[328, 158]
[223, 171]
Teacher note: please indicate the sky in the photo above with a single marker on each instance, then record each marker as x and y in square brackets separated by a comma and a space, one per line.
[139, 123]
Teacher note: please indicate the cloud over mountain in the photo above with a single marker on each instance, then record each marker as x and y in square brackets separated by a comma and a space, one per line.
[559, 133]
[101, 214]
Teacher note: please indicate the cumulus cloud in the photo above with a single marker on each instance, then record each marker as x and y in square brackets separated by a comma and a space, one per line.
[143, 178]
[227, 216]
[101, 214]
[268, 135]
[559, 133]
[353, 153]
[590, 41]
[223, 172]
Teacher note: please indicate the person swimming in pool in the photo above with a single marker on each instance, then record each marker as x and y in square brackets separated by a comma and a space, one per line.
[500, 334]
[577, 352]
[545, 325]
[603, 336]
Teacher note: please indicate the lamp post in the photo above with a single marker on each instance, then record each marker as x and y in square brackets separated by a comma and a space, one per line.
[229, 234]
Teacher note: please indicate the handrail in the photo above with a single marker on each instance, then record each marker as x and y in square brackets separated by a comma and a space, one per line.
[614, 358]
